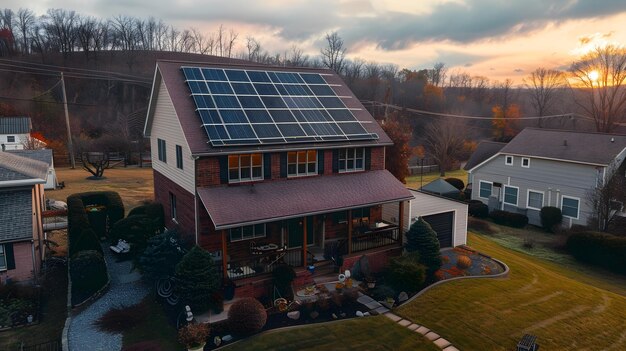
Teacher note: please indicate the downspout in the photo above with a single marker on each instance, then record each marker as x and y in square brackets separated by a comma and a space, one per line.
[32, 249]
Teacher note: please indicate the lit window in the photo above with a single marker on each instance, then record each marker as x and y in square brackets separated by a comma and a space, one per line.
[569, 207]
[247, 232]
[351, 160]
[246, 167]
[508, 160]
[535, 200]
[525, 162]
[301, 163]
[510, 195]
[485, 189]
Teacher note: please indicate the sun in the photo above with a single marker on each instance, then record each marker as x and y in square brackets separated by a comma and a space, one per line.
[593, 75]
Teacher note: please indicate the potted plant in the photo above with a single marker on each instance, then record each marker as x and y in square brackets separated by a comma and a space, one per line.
[339, 286]
[193, 336]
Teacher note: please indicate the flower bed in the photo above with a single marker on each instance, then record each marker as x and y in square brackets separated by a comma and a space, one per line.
[455, 264]
[18, 305]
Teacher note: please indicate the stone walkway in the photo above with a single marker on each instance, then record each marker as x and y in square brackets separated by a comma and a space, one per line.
[442, 343]
[126, 289]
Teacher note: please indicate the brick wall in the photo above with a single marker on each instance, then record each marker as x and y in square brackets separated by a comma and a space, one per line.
[23, 271]
[184, 206]
[378, 158]
[207, 171]
[378, 258]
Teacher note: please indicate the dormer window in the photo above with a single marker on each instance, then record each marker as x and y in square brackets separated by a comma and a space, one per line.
[508, 160]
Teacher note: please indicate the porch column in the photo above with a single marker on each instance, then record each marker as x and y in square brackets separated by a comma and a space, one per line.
[401, 223]
[224, 255]
[349, 232]
[304, 255]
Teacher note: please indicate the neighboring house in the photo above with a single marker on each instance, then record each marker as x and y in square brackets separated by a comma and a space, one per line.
[448, 217]
[14, 132]
[259, 164]
[21, 204]
[541, 167]
[43, 155]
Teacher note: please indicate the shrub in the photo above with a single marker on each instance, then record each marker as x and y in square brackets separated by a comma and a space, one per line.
[154, 210]
[283, 277]
[510, 219]
[479, 225]
[193, 335]
[162, 254]
[77, 219]
[605, 250]
[323, 303]
[351, 294]
[550, 218]
[246, 316]
[337, 298]
[88, 271]
[456, 182]
[463, 262]
[120, 319]
[136, 230]
[421, 238]
[406, 273]
[196, 279]
[86, 241]
[382, 292]
[478, 209]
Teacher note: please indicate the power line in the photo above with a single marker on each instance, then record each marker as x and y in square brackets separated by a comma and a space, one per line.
[51, 102]
[25, 63]
[46, 72]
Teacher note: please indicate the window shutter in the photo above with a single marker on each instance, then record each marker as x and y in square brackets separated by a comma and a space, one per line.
[335, 161]
[368, 158]
[224, 169]
[283, 165]
[267, 166]
[320, 161]
[8, 251]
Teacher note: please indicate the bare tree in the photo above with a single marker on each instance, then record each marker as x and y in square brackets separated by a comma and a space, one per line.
[60, 26]
[297, 58]
[334, 53]
[254, 48]
[600, 78]
[25, 22]
[544, 87]
[444, 140]
[437, 75]
[608, 198]
[86, 32]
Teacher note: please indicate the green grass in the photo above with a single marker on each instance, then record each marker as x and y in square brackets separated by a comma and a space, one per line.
[155, 327]
[414, 182]
[564, 308]
[372, 333]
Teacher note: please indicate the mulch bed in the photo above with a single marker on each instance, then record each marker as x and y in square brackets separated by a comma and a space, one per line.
[480, 264]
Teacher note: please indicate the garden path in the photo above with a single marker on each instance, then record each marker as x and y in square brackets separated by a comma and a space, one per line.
[126, 289]
[427, 333]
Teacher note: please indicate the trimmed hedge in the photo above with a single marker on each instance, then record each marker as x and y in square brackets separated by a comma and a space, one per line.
[605, 250]
[88, 240]
[476, 208]
[153, 210]
[88, 271]
[510, 219]
[456, 182]
[550, 218]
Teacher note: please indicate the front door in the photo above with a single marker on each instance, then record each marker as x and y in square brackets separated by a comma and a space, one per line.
[295, 231]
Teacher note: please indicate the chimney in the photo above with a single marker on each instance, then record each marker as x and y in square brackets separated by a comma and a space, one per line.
[565, 142]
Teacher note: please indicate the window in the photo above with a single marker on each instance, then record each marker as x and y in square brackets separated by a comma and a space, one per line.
[535, 200]
[3, 259]
[179, 156]
[485, 189]
[247, 232]
[246, 167]
[161, 150]
[351, 160]
[508, 160]
[569, 206]
[360, 215]
[173, 206]
[525, 162]
[510, 195]
[10, 138]
[301, 163]
[340, 217]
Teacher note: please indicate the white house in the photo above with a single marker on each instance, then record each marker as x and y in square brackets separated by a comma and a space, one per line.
[14, 132]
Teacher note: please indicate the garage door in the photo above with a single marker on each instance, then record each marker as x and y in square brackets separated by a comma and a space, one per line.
[443, 224]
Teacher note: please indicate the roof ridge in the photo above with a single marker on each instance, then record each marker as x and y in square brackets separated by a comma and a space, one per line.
[573, 131]
[8, 161]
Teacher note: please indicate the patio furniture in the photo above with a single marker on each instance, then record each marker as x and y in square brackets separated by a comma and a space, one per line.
[122, 247]
[528, 343]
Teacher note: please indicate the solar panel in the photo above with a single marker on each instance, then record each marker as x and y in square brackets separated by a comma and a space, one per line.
[248, 107]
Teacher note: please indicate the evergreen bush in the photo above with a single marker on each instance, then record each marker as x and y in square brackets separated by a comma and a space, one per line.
[196, 279]
[510, 219]
[406, 273]
[421, 238]
[88, 240]
[161, 255]
[154, 210]
[550, 218]
[477, 209]
[88, 272]
[605, 250]
[136, 230]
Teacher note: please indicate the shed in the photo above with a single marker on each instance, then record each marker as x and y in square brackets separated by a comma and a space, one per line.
[441, 187]
[448, 217]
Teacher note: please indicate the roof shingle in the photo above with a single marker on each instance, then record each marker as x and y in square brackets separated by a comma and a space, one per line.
[16, 221]
[14, 167]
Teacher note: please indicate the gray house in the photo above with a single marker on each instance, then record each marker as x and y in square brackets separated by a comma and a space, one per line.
[541, 167]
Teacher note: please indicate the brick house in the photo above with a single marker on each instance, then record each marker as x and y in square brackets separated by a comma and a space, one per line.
[21, 230]
[261, 164]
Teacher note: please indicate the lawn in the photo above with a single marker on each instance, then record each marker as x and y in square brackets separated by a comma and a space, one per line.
[371, 333]
[538, 297]
[134, 184]
[414, 181]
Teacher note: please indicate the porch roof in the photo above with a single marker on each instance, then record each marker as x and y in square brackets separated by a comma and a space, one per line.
[235, 206]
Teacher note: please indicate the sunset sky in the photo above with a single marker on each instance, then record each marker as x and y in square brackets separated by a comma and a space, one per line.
[497, 39]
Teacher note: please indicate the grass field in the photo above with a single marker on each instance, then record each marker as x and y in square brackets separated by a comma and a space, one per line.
[538, 297]
[134, 185]
[414, 181]
[373, 333]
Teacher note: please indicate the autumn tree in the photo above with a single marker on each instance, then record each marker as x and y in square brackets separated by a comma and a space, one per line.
[599, 77]
[397, 156]
[544, 87]
[504, 122]
[444, 140]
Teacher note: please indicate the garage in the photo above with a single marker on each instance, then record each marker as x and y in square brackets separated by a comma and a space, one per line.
[442, 224]
[448, 217]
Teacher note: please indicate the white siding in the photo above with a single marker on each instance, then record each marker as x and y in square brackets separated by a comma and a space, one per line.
[425, 205]
[165, 126]
[20, 139]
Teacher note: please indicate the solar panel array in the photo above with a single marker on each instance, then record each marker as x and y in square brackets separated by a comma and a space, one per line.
[247, 107]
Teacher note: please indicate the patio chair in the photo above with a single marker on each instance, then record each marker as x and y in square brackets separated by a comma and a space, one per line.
[122, 247]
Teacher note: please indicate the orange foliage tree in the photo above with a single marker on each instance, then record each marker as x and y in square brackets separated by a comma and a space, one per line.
[397, 156]
[504, 122]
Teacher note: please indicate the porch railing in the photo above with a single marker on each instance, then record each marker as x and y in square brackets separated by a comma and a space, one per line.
[375, 239]
[263, 263]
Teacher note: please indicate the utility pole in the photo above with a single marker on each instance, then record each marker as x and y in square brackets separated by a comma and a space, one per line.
[70, 145]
